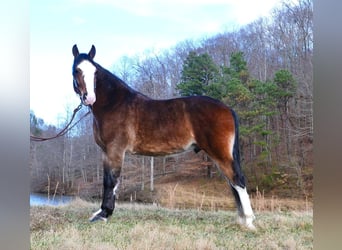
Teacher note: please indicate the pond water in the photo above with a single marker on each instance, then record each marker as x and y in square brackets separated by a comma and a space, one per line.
[43, 199]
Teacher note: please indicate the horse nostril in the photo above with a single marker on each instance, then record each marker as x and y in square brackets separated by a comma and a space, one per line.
[84, 97]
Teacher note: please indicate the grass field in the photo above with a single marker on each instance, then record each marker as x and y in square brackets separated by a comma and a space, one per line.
[135, 226]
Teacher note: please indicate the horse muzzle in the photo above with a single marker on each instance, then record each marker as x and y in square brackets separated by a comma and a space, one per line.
[88, 99]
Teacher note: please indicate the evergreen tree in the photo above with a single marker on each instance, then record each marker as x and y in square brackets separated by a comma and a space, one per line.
[286, 88]
[238, 66]
[199, 71]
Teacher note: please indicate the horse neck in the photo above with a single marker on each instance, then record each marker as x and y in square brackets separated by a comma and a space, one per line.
[110, 90]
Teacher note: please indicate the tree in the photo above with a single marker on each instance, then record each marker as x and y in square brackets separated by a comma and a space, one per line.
[197, 74]
[286, 88]
[238, 65]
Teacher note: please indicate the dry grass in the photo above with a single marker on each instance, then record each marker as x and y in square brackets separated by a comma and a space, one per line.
[202, 194]
[135, 226]
[273, 203]
[191, 196]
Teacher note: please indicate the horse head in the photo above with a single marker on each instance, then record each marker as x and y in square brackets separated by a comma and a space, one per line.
[84, 72]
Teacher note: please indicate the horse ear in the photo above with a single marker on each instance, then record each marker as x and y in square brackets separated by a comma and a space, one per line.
[75, 50]
[92, 52]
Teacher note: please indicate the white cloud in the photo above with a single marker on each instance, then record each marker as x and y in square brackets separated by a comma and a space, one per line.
[248, 10]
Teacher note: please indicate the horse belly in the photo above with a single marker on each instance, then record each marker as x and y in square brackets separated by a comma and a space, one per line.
[166, 144]
[163, 128]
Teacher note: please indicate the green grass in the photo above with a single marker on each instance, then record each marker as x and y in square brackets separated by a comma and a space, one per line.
[135, 226]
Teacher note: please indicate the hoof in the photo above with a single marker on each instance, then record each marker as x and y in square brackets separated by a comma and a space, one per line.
[251, 227]
[98, 216]
[247, 222]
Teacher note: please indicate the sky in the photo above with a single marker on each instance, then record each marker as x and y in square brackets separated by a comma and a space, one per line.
[117, 28]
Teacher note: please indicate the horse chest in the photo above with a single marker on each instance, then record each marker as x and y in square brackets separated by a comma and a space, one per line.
[97, 135]
[115, 130]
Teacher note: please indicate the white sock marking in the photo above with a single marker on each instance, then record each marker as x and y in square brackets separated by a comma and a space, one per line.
[246, 206]
[246, 203]
[95, 214]
[116, 187]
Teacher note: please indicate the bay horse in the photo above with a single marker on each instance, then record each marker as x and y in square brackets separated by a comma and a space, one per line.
[125, 120]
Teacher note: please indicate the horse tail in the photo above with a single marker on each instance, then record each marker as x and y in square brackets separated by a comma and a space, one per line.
[239, 178]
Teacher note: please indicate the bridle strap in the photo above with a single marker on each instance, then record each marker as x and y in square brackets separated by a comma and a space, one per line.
[65, 130]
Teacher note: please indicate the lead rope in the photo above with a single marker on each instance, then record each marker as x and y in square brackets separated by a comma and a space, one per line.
[65, 130]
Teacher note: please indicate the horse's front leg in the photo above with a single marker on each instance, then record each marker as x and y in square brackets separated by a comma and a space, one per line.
[111, 174]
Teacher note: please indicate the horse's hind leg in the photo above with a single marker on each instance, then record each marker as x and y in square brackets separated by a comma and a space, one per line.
[237, 201]
[245, 212]
[236, 181]
[110, 185]
[239, 190]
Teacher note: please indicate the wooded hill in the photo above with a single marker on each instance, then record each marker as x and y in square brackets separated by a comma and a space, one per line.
[263, 70]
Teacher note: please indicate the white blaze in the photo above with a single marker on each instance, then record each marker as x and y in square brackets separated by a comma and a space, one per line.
[88, 70]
